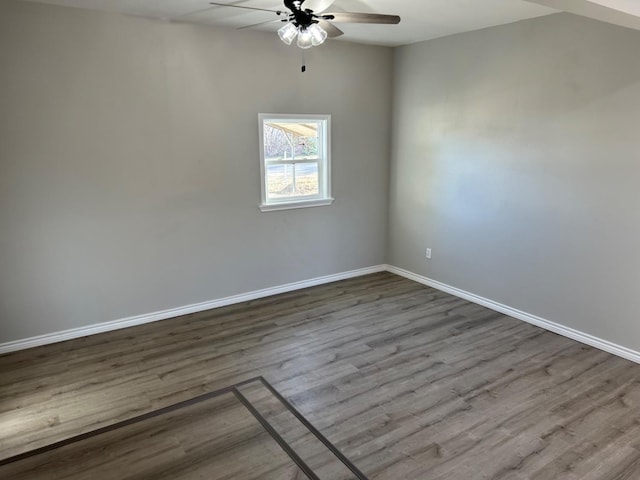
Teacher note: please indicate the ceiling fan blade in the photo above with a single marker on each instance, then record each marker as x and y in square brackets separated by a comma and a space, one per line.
[318, 6]
[331, 29]
[352, 17]
[258, 24]
[246, 8]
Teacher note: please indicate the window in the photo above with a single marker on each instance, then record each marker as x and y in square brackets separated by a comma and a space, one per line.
[295, 153]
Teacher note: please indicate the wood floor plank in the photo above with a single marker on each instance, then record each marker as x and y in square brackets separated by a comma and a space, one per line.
[407, 381]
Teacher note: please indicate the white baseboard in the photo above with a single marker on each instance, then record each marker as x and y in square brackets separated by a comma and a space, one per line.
[582, 337]
[176, 312]
[585, 338]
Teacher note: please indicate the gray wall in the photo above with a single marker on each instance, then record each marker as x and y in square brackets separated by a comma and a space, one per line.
[516, 157]
[129, 174]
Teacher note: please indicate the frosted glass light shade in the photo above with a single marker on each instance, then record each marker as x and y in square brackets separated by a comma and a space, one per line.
[318, 35]
[287, 33]
[305, 38]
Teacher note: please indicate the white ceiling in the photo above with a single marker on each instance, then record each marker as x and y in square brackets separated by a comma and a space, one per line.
[421, 19]
[625, 13]
[628, 6]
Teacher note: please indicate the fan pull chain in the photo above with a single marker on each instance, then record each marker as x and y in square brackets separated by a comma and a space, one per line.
[304, 66]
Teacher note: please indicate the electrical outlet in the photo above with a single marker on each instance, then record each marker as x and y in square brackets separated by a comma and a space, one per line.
[428, 253]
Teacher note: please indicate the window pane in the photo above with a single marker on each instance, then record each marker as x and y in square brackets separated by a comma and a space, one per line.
[280, 181]
[292, 180]
[307, 179]
[290, 140]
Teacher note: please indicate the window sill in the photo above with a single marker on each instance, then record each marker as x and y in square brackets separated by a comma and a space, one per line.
[299, 204]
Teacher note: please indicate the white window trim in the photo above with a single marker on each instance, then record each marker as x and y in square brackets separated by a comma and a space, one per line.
[297, 204]
[324, 167]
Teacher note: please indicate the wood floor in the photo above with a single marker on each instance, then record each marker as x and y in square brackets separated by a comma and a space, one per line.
[409, 382]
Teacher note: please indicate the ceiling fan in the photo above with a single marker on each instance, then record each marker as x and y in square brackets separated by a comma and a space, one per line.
[310, 27]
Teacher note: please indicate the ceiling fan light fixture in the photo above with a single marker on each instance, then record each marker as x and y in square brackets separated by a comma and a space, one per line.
[305, 38]
[288, 32]
[318, 34]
